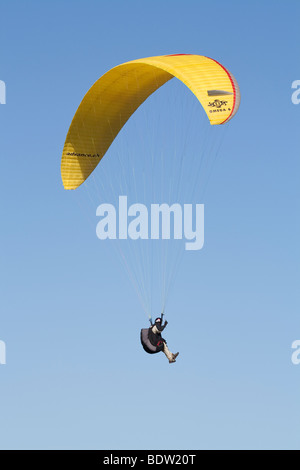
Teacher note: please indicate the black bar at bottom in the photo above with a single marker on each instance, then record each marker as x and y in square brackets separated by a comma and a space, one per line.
[93, 459]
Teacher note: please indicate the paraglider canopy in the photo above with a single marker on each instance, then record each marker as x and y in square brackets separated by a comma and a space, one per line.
[117, 94]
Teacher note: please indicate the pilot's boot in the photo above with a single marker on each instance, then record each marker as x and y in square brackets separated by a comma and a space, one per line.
[175, 355]
[170, 356]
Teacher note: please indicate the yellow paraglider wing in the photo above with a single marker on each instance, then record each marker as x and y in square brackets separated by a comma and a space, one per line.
[111, 101]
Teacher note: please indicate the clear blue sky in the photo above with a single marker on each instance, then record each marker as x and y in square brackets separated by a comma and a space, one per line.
[76, 376]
